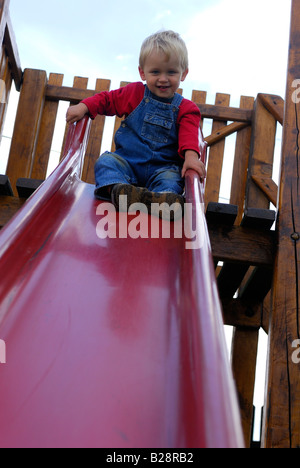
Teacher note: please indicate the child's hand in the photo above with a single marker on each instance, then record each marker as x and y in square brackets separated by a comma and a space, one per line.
[76, 113]
[192, 161]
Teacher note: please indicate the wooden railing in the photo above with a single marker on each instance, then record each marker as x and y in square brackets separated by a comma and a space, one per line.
[10, 67]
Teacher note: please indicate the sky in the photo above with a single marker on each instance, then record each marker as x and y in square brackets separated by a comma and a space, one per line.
[235, 46]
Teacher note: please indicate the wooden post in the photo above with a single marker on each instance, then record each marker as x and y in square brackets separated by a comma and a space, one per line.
[282, 409]
[44, 140]
[216, 155]
[23, 145]
[4, 9]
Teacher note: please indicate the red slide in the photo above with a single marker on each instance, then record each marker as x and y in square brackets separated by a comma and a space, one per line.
[111, 326]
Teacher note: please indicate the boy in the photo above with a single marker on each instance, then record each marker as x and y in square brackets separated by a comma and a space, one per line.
[159, 139]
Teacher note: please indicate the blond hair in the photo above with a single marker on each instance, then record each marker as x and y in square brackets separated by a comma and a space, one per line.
[168, 42]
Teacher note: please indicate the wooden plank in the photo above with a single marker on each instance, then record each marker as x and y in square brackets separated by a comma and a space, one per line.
[236, 313]
[95, 138]
[27, 124]
[241, 245]
[199, 97]
[257, 218]
[224, 132]
[282, 407]
[80, 83]
[48, 120]
[26, 187]
[65, 93]
[266, 312]
[274, 104]
[230, 278]
[5, 187]
[221, 213]
[261, 154]
[268, 187]
[241, 160]
[13, 54]
[118, 121]
[244, 354]
[4, 11]
[216, 154]
[224, 113]
[257, 286]
[5, 88]
[210, 111]
[8, 208]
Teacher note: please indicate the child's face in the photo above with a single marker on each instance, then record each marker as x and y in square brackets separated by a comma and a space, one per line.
[162, 76]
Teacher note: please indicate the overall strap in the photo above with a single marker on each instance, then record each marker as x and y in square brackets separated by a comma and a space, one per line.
[177, 100]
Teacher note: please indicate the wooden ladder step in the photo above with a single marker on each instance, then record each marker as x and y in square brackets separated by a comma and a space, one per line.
[257, 218]
[5, 186]
[26, 187]
[221, 213]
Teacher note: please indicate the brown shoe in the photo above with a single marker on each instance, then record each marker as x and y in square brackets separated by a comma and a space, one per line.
[133, 194]
[165, 205]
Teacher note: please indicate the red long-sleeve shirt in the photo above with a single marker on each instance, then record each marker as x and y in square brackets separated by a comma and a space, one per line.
[123, 101]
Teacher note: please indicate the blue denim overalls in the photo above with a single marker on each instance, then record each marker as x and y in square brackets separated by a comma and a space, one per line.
[146, 149]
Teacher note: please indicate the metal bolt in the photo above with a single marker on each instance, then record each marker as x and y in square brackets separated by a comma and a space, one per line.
[295, 236]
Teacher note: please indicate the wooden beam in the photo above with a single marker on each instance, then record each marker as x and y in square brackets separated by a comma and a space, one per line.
[8, 208]
[237, 313]
[241, 160]
[11, 47]
[216, 155]
[27, 124]
[225, 113]
[224, 132]
[274, 104]
[282, 407]
[244, 353]
[65, 93]
[95, 139]
[4, 11]
[118, 121]
[44, 140]
[268, 187]
[79, 82]
[242, 245]
[261, 154]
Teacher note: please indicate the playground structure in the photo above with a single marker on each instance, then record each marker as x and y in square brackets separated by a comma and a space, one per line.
[257, 262]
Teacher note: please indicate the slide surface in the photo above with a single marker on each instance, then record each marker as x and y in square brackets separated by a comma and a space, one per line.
[110, 340]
